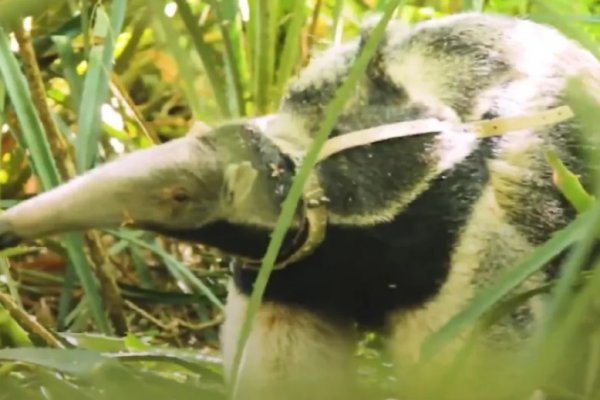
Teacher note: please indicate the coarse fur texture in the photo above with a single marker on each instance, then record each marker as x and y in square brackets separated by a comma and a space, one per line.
[410, 242]
[416, 226]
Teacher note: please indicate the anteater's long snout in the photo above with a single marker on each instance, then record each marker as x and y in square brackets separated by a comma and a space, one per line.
[158, 186]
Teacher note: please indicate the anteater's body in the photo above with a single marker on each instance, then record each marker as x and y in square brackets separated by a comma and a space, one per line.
[415, 225]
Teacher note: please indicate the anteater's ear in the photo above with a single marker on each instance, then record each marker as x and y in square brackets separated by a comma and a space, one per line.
[239, 179]
[199, 128]
[395, 31]
[395, 27]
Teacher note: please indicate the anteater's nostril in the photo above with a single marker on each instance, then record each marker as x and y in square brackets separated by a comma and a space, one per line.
[7, 237]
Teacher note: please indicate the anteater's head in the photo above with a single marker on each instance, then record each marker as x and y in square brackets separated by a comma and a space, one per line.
[175, 188]
[240, 172]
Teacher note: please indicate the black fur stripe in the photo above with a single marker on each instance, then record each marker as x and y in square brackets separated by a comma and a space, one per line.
[362, 273]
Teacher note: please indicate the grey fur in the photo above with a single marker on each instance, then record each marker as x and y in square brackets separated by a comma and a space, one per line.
[463, 58]
[459, 68]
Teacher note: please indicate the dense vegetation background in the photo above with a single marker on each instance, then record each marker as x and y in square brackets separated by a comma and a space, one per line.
[84, 81]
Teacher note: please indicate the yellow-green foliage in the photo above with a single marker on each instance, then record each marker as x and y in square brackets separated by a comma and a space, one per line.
[122, 75]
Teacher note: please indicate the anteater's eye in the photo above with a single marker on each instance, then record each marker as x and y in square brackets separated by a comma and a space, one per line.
[180, 195]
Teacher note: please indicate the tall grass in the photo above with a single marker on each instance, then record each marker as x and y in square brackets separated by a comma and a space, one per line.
[290, 204]
[212, 61]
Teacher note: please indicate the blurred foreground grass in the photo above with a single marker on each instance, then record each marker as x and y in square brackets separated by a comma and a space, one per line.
[83, 82]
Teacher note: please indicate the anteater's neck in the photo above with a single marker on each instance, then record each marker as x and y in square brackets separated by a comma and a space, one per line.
[362, 273]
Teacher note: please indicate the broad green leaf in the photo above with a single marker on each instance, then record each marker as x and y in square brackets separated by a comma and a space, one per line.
[72, 361]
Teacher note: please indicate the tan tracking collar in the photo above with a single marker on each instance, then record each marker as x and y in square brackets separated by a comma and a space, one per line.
[483, 128]
[314, 200]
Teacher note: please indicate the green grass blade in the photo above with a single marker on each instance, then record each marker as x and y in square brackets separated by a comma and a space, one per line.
[202, 49]
[548, 13]
[273, 15]
[571, 187]
[65, 300]
[380, 6]
[96, 84]
[487, 298]
[77, 258]
[476, 5]
[68, 63]
[86, 13]
[230, 34]
[291, 47]
[2, 122]
[130, 50]
[289, 206]
[2, 101]
[17, 251]
[177, 268]
[569, 184]
[75, 361]
[141, 269]
[8, 280]
[570, 271]
[167, 33]
[236, 36]
[14, 10]
[260, 22]
[45, 168]
[338, 7]
[33, 131]
[548, 353]
[8, 203]
[11, 330]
